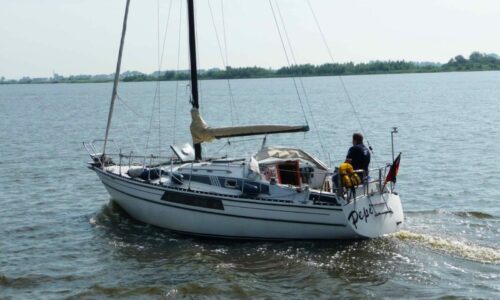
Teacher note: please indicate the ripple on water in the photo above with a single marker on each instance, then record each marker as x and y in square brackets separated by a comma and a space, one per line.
[32, 280]
[99, 291]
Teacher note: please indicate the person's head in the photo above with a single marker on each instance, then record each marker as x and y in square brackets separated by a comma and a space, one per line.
[357, 139]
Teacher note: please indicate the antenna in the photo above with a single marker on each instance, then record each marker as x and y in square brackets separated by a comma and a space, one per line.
[393, 132]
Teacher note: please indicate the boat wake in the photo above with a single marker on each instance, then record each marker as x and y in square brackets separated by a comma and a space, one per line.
[462, 249]
[464, 214]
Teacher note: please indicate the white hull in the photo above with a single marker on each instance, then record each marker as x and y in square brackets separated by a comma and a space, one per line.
[246, 218]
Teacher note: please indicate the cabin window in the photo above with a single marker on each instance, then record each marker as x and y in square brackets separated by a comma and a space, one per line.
[231, 183]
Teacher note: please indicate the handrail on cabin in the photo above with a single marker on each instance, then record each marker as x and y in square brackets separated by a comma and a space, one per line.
[336, 187]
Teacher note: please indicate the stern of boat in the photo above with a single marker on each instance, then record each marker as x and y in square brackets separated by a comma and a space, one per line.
[376, 215]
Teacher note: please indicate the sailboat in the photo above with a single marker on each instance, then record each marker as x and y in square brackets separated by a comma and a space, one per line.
[277, 193]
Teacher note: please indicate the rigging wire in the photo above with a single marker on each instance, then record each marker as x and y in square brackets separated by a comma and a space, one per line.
[233, 102]
[157, 90]
[128, 107]
[134, 145]
[287, 38]
[348, 96]
[224, 62]
[230, 91]
[288, 61]
[159, 73]
[177, 71]
[224, 29]
[230, 142]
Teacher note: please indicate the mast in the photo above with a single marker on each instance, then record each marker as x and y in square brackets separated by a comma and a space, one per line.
[194, 69]
[117, 76]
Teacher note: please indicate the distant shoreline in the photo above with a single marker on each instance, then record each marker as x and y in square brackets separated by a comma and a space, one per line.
[476, 62]
[263, 77]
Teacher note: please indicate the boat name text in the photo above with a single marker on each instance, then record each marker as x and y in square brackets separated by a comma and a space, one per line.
[358, 215]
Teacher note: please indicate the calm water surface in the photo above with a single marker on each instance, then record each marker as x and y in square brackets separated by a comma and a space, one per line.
[61, 237]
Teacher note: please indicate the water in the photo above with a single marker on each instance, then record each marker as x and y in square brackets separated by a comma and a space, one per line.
[61, 237]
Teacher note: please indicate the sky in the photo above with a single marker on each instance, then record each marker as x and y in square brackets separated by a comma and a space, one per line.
[68, 37]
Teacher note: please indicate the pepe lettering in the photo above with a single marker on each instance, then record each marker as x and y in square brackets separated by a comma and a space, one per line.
[356, 216]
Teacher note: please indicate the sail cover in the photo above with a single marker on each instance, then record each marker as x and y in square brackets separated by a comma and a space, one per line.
[201, 132]
[272, 154]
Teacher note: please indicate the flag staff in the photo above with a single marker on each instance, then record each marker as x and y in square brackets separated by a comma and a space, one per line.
[394, 131]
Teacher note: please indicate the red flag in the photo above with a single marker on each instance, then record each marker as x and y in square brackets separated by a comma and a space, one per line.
[393, 171]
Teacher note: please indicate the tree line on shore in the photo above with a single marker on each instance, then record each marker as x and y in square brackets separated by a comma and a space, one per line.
[476, 62]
